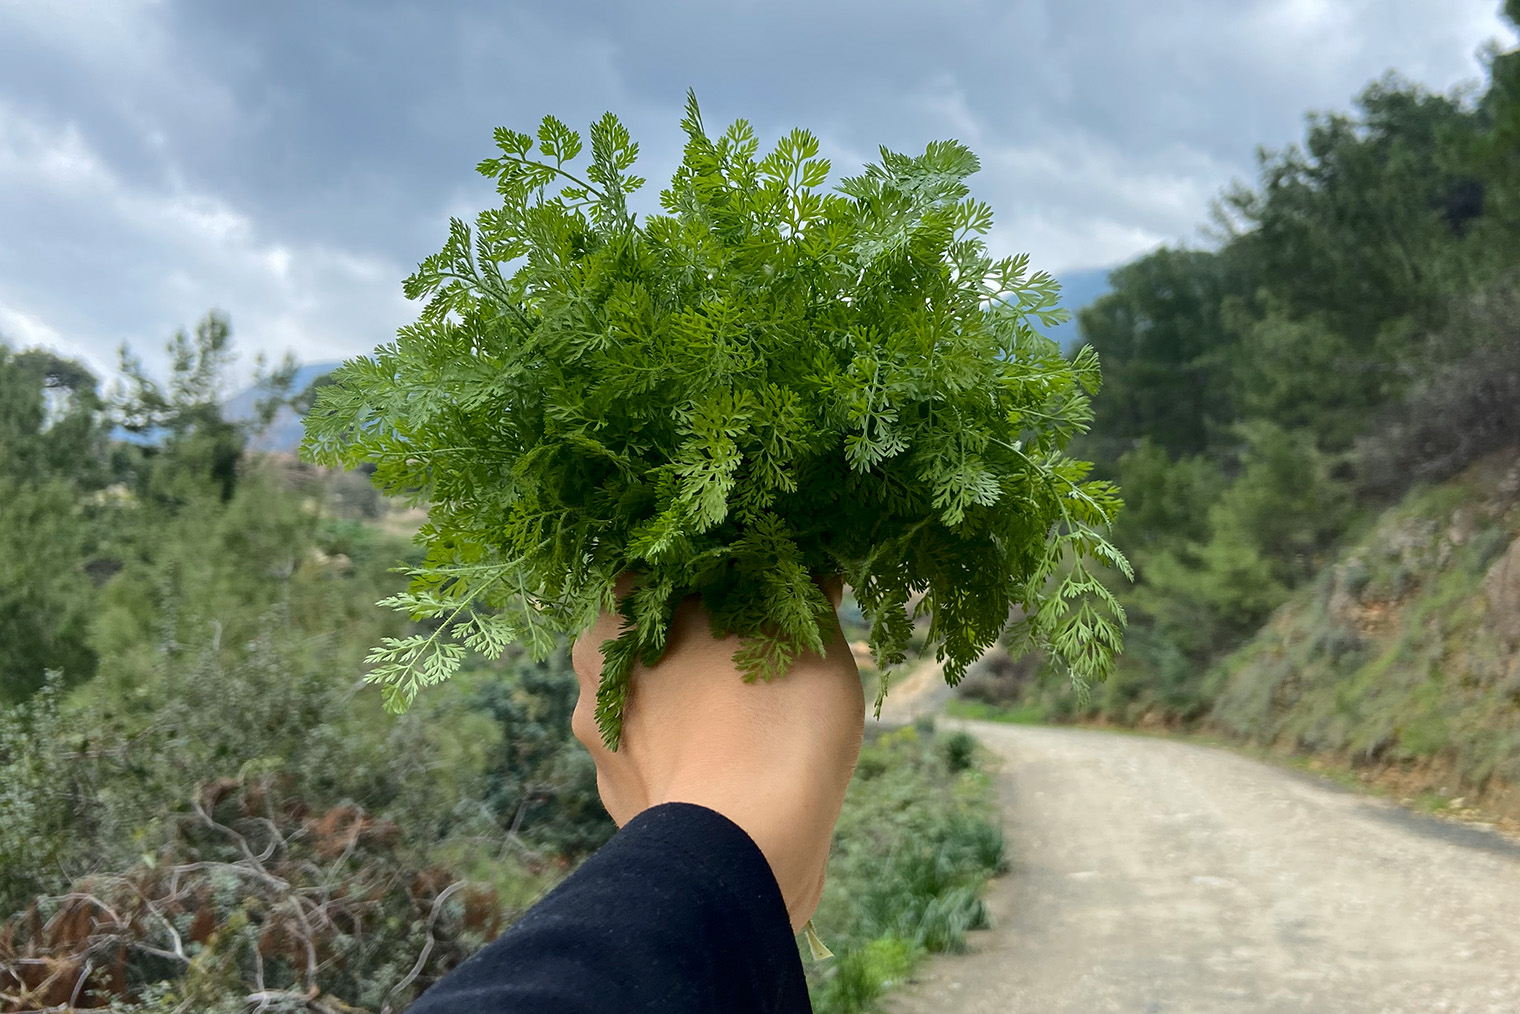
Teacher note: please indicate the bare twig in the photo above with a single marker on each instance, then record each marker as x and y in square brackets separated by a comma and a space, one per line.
[239, 869]
[258, 972]
[92, 899]
[153, 910]
[242, 842]
[89, 966]
[310, 1000]
[427, 948]
[307, 941]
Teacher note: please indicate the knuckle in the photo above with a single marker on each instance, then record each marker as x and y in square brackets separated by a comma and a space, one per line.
[582, 653]
[583, 721]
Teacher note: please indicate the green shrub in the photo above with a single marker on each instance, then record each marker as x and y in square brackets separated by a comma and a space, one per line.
[539, 779]
[1465, 404]
[861, 976]
[945, 918]
[959, 749]
[1486, 546]
[915, 845]
[36, 840]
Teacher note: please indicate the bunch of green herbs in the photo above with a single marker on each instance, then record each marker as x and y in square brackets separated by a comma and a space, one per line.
[764, 385]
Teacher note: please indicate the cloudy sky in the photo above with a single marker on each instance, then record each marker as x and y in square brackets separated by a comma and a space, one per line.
[290, 161]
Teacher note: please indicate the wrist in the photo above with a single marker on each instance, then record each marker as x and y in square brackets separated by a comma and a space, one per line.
[780, 814]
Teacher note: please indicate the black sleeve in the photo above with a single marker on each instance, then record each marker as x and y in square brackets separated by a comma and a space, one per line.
[678, 913]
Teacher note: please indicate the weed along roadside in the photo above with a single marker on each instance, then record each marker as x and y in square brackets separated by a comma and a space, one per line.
[915, 846]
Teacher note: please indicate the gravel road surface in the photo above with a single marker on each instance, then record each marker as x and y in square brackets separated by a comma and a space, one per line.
[1151, 876]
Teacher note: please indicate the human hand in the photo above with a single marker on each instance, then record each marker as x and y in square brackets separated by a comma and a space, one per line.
[774, 758]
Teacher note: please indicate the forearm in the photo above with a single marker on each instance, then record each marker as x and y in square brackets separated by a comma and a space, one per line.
[678, 913]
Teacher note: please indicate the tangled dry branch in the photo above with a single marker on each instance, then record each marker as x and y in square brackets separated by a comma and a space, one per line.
[257, 897]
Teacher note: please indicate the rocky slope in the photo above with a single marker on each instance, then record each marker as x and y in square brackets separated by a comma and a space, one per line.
[1404, 657]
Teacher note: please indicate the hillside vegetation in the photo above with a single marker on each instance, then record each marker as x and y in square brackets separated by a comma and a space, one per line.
[1314, 425]
[1403, 653]
[204, 809]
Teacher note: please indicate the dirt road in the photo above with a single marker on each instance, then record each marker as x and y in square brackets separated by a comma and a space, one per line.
[1157, 877]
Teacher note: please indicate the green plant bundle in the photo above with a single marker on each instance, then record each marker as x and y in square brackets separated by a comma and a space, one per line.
[764, 385]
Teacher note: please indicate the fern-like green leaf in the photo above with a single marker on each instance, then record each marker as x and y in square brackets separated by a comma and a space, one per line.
[763, 385]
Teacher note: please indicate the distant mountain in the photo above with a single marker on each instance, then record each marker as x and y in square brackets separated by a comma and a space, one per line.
[284, 433]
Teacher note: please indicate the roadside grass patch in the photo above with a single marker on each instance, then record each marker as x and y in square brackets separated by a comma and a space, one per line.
[1024, 714]
[917, 841]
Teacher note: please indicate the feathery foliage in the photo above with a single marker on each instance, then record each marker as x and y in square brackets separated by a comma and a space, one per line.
[763, 385]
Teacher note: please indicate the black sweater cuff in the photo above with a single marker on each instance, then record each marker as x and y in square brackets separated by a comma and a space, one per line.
[678, 912]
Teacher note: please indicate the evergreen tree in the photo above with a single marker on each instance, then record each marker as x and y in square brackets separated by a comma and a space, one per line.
[50, 456]
[1165, 351]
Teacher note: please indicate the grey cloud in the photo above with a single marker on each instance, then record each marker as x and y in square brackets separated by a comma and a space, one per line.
[107, 260]
[337, 136]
